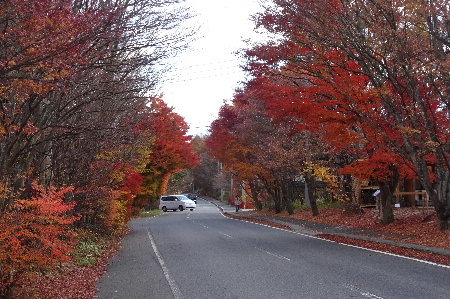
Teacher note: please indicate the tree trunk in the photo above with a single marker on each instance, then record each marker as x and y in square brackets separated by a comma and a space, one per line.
[444, 219]
[273, 188]
[440, 196]
[278, 208]
[310, 181]
[387, 189]
[287, 196]
[314, 209]
[254, 193]
[387, 213]
[290, 207]
[443, 213]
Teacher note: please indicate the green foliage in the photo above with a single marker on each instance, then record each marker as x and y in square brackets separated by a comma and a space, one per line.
[150, 213]
[299, 205]
[224, 195]
[329, 204]
[321, 204]
[88, 249]
[87, 253]
[114, 214]
[180, 182]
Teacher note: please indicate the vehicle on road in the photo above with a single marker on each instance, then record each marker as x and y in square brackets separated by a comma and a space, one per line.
[191, 197]
[176, 202]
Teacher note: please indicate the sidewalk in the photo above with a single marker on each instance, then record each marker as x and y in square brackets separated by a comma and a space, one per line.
[315, 228]
[225, 208]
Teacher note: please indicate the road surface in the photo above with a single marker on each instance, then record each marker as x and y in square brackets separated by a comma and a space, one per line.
[202, 254]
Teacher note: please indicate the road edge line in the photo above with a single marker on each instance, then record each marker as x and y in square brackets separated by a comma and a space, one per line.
[173, 285]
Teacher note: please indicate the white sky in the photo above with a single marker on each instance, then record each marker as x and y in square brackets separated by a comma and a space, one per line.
[208, 73]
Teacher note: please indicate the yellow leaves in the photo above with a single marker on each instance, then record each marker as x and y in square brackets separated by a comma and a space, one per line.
[4, 190]
[408, 131]
[55, 75]
[115, 215]
[431, 145]
[320, 172]
[21, 89]
[12, 62]
[137, 154]
[118, 175]
[325, 174]
[64, 73]
[32, 51]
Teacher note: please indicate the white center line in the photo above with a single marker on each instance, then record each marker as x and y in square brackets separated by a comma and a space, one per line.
[362, 292]
[274, 254]
[225, 235]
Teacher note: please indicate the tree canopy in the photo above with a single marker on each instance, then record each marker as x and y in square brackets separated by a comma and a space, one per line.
[369, 79]
[79, 124]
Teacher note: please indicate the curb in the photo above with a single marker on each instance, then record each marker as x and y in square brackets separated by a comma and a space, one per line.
[304, 230]
[434, 250]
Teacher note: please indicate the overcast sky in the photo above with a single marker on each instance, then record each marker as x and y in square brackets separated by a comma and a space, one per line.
[208, 73]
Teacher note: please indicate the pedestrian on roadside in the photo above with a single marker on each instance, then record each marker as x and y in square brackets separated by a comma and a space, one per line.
[237, 202]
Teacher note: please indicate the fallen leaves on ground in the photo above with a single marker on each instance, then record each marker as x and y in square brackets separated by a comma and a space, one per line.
[421, 255]
[71, 282]
[78, 282]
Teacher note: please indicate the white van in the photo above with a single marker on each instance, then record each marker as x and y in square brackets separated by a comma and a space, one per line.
[176, 202]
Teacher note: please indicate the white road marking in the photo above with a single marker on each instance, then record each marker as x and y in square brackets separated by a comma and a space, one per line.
[326, 240]
[362, 292]
[311, 236]
[274, 254]
[173, 285]
[225, 234]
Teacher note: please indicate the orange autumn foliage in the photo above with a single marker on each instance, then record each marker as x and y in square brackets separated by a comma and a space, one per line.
[35, 234]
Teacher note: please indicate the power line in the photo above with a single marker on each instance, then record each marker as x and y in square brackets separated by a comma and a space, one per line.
[175, 80]
[208, 70]
[200, 65]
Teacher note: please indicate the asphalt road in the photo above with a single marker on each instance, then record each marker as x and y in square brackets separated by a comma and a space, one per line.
[202, 254]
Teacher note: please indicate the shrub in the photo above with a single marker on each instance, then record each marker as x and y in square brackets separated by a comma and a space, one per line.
[35, 235]
[87, 251]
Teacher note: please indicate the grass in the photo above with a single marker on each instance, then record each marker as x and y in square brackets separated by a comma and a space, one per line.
[298, 206]
[89, 247]
[150, 213]
[87, 251]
